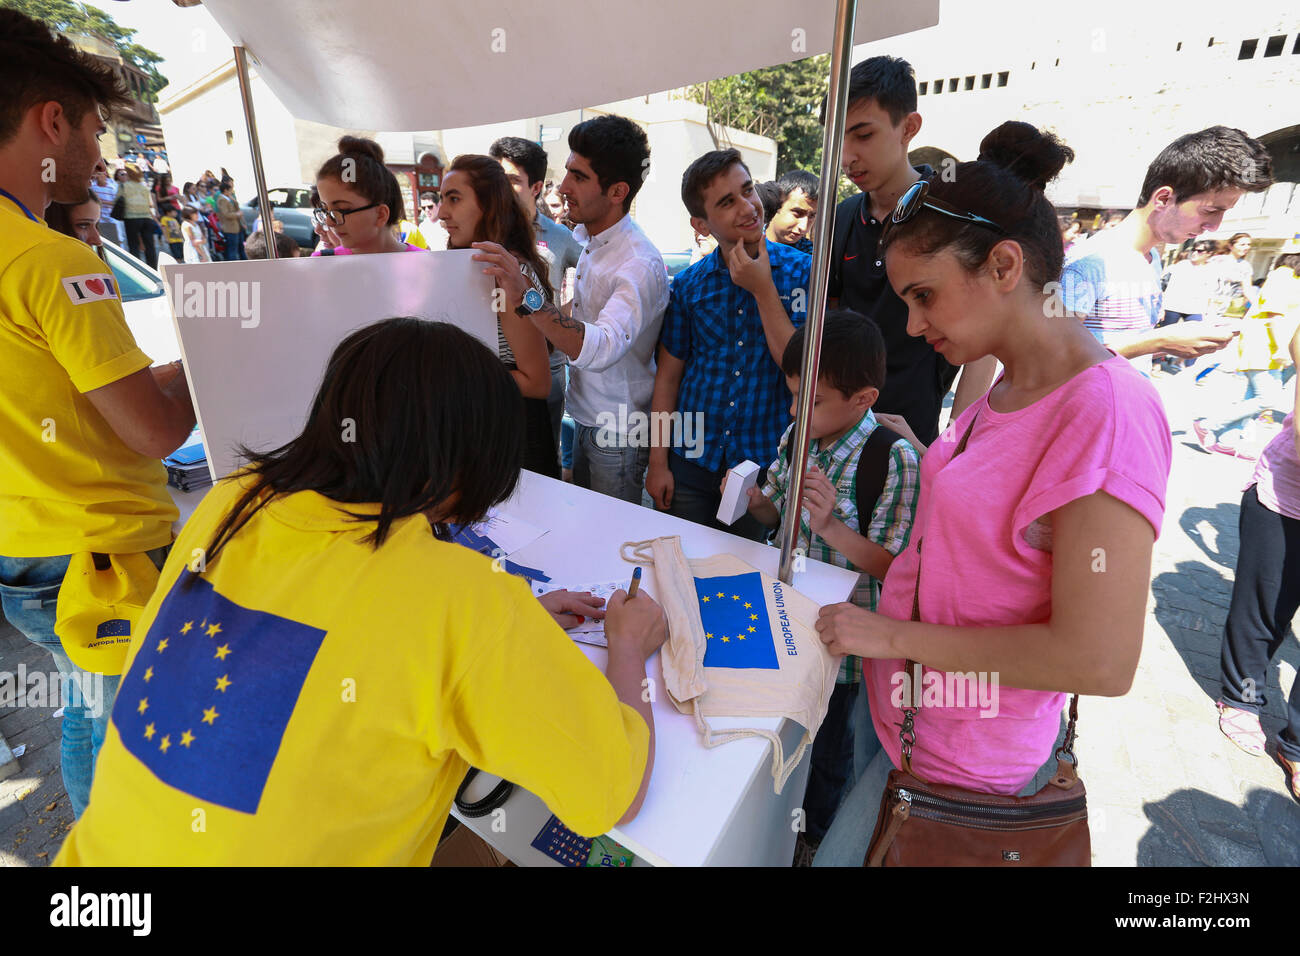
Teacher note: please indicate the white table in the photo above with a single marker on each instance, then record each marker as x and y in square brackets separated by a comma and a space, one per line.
[703, 806]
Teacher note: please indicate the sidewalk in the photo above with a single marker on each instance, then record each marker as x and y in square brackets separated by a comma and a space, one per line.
[1165, 787]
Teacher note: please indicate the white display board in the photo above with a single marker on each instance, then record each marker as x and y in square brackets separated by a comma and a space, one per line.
[256, 335]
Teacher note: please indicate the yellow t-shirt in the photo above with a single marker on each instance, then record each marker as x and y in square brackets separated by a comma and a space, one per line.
[67, 482]
[316, 701]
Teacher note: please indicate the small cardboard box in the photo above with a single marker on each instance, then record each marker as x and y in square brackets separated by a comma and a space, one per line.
[735, 492]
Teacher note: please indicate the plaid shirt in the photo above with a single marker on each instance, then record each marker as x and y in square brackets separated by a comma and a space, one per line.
[891, 519]
[714, 327]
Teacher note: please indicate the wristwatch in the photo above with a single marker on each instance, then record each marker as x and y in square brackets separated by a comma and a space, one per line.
[532, 302]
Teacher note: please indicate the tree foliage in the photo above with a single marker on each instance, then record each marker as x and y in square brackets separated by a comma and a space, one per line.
[64, 16]
[782, 102]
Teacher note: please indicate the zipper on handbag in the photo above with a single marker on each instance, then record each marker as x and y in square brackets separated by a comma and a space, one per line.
[924, 802]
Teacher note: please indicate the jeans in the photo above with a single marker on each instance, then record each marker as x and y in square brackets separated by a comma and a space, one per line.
[845, 843]
[831, 775]
[29, 594]
[1265, 596]
[234, 246]
[555, 401]
[617, 471]
[697, 494]
[568, 430]
[1263, 392]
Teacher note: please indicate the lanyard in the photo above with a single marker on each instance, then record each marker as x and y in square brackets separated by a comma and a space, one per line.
[15, 200]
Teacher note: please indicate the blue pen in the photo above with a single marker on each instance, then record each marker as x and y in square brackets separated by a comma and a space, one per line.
[636, 583]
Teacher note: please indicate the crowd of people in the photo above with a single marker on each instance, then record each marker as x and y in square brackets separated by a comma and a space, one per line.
[1057, 448]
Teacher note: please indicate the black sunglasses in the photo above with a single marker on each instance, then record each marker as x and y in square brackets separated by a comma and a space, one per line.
[917, 197]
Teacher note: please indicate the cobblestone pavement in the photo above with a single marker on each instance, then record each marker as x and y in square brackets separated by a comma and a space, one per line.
[1165, 787]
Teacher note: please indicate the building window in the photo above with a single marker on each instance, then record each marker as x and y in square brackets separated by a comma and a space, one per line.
[1034, 64]
[1003, 77]
[938, 87]
[986, 81]
[1274, 45]
[1296, 48]
[1211, 43]
[924, 86]
[1179, 47]
[970, 82]
[1058, 62]
[952, 85]
[1247, 50]
[230, 137]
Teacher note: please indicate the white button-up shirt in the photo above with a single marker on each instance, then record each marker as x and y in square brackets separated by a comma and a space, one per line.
[620, 293]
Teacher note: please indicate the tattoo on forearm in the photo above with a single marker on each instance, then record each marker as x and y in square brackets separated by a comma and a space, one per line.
[559, 318]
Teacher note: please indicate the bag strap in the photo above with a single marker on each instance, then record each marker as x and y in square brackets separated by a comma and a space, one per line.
[872, 473]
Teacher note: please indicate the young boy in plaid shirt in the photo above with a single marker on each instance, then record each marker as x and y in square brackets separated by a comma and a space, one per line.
[832, 529]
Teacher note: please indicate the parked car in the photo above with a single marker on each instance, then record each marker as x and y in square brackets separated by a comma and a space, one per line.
[292, 206]
[144, 300]
[675, 262]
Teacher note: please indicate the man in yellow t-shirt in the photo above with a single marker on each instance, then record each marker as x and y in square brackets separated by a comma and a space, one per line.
[309, 699]
[83, 419]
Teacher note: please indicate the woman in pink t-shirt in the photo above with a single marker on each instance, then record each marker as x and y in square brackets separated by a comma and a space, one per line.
[1037, 538]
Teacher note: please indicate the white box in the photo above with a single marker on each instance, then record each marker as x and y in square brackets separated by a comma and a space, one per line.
[735, 492]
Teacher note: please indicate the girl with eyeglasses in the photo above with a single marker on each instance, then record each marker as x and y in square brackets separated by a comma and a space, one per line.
[1039, 505]
[360, 203]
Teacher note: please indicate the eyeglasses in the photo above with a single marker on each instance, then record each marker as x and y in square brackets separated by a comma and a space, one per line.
[917, 197]
[335, 217]
[1201, 248]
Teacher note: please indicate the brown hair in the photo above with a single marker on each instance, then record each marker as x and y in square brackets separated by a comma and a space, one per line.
[502, 219]
[36, 67]
[360, 165]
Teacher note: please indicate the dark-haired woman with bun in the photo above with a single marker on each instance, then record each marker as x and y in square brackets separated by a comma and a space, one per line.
[1039, 505]
[360, 202]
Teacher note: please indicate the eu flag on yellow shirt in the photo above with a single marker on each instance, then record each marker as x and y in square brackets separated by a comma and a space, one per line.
[210, 692]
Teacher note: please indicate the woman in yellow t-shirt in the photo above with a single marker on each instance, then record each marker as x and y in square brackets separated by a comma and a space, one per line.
[320, 665]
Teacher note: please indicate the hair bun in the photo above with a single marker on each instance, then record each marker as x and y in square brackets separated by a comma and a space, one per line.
[1024, 150]
[359, 145]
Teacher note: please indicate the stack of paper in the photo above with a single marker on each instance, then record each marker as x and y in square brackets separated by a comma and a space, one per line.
[187, 466]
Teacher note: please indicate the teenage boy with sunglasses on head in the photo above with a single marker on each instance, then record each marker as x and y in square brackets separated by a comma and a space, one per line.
[880, 125]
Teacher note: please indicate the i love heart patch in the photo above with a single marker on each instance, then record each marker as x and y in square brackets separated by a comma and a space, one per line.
[90, 288]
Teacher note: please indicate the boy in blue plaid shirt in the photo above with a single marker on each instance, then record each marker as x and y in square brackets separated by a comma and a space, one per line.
[831, 527]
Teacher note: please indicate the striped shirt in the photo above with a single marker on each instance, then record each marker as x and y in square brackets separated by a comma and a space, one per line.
[891, 518]
[504, 351]
[1115, 288]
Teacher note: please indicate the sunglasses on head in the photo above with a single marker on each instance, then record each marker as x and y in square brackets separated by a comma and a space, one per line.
[917, 197]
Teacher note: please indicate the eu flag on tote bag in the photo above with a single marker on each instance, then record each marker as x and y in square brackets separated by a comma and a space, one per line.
[740, 644]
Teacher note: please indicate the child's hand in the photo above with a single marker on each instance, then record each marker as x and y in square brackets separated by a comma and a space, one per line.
[756, 498]
[819, 498]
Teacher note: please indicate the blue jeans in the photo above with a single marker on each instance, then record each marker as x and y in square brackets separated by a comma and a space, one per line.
[29, 594]
[617, 471]
[234, 246]
[1263, 392]
[831, 775]
[555, 401]
[845, 843]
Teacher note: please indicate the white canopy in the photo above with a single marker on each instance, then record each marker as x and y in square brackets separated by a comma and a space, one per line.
[434, 64]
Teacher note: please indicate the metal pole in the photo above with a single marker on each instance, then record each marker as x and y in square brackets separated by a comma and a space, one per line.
[259, 176]
[836, 107]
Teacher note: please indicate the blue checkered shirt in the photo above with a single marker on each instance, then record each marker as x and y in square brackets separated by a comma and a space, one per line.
[714, 327]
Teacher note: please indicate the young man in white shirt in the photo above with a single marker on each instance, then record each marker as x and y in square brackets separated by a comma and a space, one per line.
[610, 332]
[1112, 280]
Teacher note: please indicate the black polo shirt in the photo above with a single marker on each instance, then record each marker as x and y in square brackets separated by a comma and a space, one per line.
[916, 376]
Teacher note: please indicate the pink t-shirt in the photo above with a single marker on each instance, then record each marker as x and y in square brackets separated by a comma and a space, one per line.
[1277, 473]
[989, 563]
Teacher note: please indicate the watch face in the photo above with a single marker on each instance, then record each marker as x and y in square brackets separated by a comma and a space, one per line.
[533, 300]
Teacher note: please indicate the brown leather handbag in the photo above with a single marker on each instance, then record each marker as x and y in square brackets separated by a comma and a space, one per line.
[930, 824]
